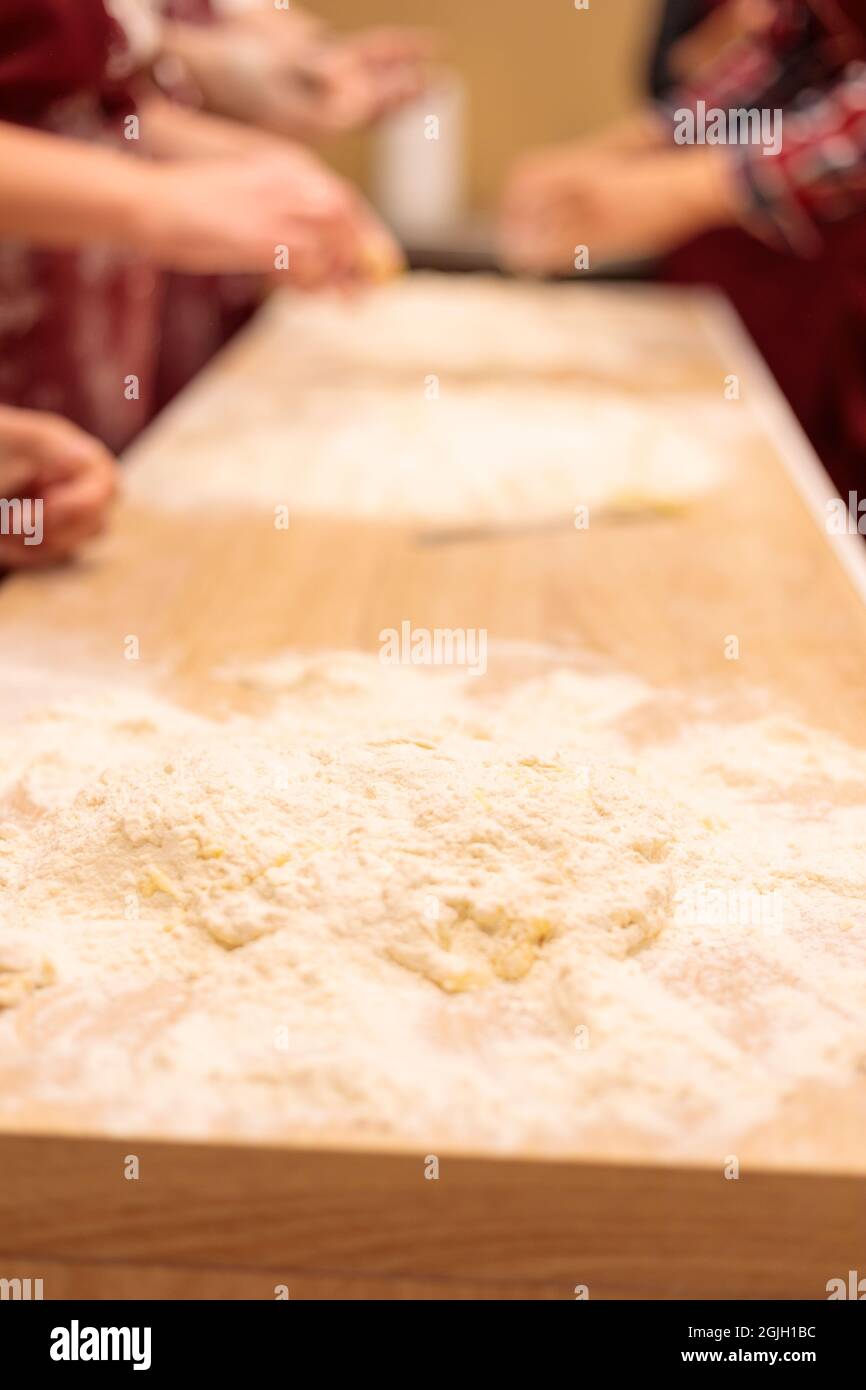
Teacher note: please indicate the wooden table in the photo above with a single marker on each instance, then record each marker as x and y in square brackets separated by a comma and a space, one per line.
[228, 1219]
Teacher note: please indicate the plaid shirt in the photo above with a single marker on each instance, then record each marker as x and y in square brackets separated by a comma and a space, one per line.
[807, 64]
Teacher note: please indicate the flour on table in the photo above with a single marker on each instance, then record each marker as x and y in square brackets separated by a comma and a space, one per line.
[400, 902]
[471, 325]
[404, 409]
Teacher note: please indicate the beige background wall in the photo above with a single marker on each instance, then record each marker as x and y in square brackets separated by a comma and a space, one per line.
[536, 70]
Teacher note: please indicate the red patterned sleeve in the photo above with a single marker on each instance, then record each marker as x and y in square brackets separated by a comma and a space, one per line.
[806, 71]
[49, 50]
[764, 69]
[819, 173]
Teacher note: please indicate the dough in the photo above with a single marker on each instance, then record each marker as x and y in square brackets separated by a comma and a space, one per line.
[442, 402]
[401, 901]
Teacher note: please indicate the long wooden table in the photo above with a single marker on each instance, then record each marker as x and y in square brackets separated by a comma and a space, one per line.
[342, 1218]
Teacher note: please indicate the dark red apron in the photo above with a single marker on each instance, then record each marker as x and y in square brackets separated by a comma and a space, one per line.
[78, 329]
[200, 312]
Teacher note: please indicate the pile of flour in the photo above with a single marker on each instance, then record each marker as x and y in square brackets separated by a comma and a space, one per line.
[433, 402]
[405, 901]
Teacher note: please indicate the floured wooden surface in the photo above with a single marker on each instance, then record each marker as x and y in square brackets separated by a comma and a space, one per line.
[578, 903]
[444, 401]
[656, 598]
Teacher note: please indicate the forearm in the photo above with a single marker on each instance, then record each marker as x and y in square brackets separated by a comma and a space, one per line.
[56, 191]
[173, 131]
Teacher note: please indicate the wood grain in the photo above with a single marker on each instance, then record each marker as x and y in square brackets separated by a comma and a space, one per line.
[657, 597]
[215, 1221]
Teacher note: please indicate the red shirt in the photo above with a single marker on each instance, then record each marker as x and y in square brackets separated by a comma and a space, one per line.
[51, 50]
[797, 276]
[78, 328]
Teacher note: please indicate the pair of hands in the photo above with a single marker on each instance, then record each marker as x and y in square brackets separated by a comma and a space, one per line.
[273, 209]
[628, 194]
[278, 211]
[219, 215]
[226, 215]
[285, 72]
[552, 200]
[354, 82]
[46, 459]
[620, 204]
[279, 74]
[214, 215]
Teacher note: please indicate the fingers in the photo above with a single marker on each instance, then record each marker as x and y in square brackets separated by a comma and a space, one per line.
[44, 440]
[336, 238]
[28, 441]
[549, 206]
[15, 555]
[398, 63]
[394, 44]
[523, 225]
[361, 78]
[59, 449]
[283, 214]
[396, 88]
[80, 500]
[62, 536]
[56, 544]
[346, 95]
[66, 474]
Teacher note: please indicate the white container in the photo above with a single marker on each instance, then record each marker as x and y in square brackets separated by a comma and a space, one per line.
[419, 170]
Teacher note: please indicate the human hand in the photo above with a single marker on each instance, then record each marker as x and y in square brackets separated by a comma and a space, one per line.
[68, 479]
[724, 24]
[316, 84]
[280, 210]
[361, 78]
[619, 208]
